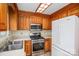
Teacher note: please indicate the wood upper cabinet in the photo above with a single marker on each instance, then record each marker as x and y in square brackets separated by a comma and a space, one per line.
[36, 19]
[13, 17]
[28, 47]
[8, 17]
[47, 45]
[3, 16]
[23, 23]
[46, 24]
[73, 9]
[27, 18]
[13, 22]
[63, 13]
[60, 14]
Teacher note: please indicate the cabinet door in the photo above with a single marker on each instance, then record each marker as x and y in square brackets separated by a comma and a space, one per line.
[23, 23]
[13, 22]
[36, 19]
[64, 13]
[39, 20]
[73, 9]
[28, 47]
[13, 18]
[47, 45]
[3, 16]
[46, 24]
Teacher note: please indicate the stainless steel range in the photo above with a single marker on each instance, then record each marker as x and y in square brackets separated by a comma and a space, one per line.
[37, 44]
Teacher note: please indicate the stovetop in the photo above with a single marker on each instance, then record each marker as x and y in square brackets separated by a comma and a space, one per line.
[36, 37]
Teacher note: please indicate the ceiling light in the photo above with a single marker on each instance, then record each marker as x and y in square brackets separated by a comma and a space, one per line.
[45, 6]
[39, 8]
[42, 7]
[48, 3]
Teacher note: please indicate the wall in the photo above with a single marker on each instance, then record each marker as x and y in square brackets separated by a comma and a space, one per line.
[71, 9]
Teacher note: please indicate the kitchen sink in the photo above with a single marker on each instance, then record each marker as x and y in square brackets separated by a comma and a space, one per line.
[15, 45]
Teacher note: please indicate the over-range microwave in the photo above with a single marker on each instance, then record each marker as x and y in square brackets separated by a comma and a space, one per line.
[36, 27]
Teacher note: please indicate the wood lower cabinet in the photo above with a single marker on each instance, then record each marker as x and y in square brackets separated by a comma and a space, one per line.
[47, 45]
[28, 47]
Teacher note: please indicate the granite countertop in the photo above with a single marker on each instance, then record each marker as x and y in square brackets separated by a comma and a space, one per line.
[47, 37]
[19, 52]
[22, 39]
[27, 38]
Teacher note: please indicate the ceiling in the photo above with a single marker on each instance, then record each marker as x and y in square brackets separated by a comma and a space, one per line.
[33, 6]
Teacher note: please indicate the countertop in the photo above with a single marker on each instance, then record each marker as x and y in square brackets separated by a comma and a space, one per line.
[47, 37]
[22, 39]
[28, 38]
[18, 52]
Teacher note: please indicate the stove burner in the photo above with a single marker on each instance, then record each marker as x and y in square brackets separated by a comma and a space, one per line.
[36, 37]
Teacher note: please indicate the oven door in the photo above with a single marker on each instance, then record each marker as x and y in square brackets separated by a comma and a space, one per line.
[38, 46]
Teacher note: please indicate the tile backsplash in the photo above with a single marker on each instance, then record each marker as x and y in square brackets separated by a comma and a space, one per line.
[4, 33]
[46, 33]
[26, 33]
[20, 34]
[4, 38]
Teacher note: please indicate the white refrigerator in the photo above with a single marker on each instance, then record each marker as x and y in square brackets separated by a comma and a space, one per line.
[65, 36]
